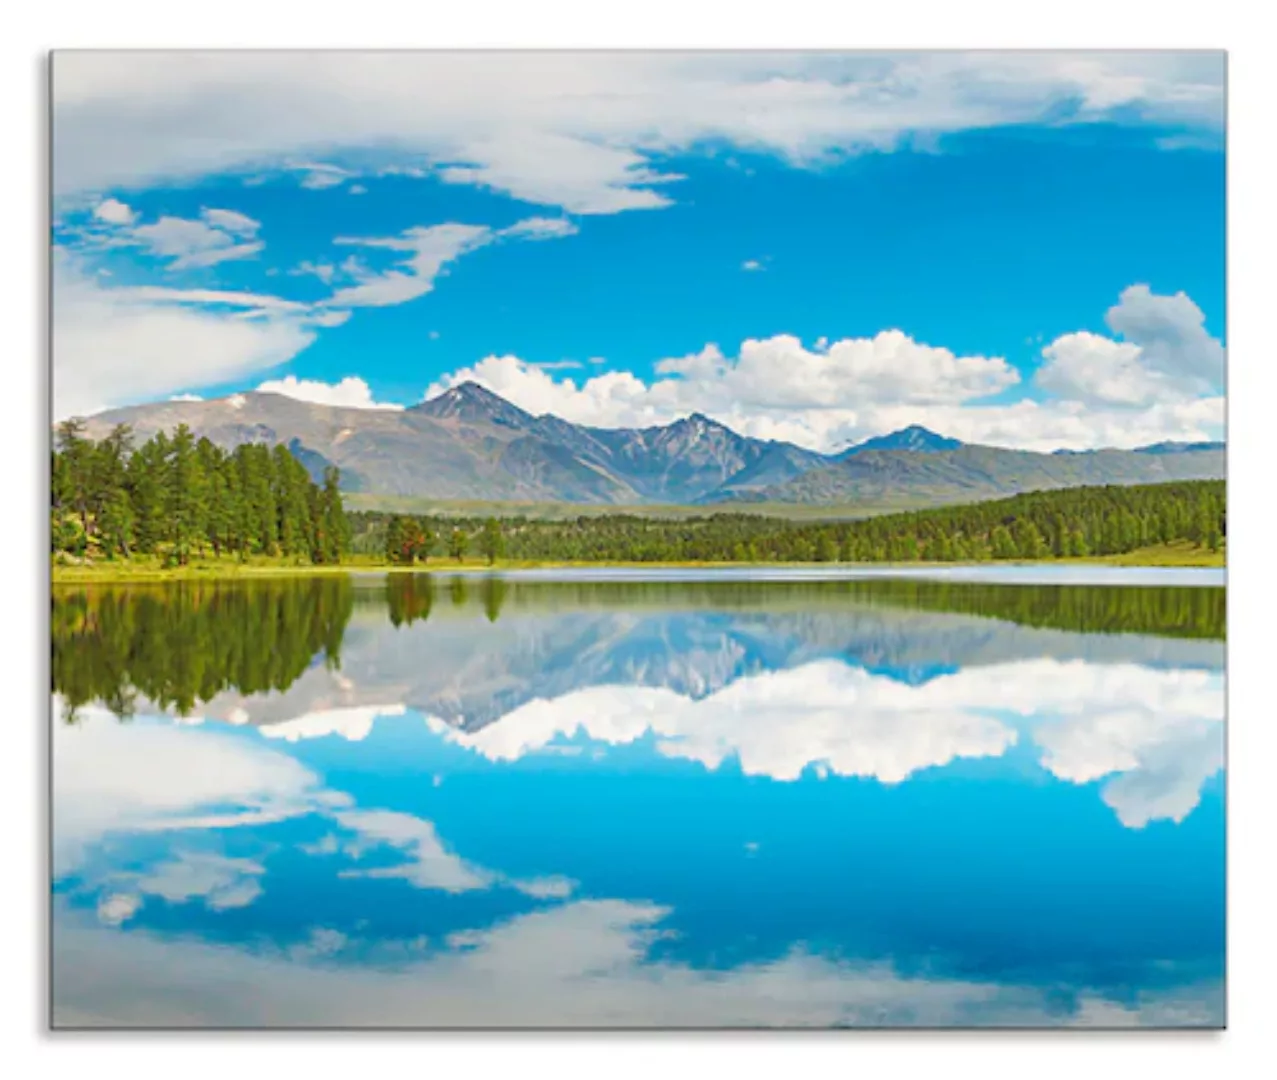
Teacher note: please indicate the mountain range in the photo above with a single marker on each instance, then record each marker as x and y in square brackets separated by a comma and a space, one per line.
[469, 443]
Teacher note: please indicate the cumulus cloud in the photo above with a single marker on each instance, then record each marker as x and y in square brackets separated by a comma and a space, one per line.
[581, 132]
[113, 212]
[775, 724]
[1158, 739]
[351, 392]
[1165, 355]
[773, 386]
[115, 909]
[840, 392]
[1157, 733]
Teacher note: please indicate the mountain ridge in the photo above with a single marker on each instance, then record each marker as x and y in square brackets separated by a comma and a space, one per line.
[470, 443]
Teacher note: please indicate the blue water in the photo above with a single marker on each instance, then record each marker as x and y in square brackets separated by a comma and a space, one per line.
[644, 817]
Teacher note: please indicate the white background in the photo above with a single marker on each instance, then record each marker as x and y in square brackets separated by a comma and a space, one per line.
[30, 29]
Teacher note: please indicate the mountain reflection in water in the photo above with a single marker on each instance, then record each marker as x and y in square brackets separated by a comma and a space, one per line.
[435, 801]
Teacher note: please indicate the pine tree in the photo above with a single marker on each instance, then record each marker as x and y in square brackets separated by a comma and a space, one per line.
[1001, 543]
[115, 524]
[77, 453]
[492, 540]
[187, 496]
[146, 486]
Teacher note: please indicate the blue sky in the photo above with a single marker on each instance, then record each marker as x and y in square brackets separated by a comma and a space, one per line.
[1022, 249]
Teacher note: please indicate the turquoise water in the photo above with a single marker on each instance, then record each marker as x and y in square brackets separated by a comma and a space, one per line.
[447, 804]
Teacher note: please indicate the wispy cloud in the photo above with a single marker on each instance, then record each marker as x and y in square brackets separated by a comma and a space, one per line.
[583, 133]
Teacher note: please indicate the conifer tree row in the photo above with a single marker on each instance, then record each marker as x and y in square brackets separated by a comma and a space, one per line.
[1068, 523]
[178, 497]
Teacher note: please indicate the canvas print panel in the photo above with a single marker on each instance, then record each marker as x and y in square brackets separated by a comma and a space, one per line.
[563, 540]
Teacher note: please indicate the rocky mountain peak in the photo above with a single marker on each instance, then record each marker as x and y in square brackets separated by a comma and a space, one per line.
[473, 403]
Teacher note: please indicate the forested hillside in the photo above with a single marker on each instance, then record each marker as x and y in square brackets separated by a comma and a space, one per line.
[1075, 522]
[180, 498]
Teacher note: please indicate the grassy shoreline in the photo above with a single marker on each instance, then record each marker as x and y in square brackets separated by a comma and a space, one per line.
[1169, 555]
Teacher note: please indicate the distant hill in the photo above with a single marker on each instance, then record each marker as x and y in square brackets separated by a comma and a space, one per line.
[1179, 447]
[970, 473]
[469, 443]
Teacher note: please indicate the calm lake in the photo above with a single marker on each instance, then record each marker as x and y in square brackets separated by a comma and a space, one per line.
[640, 800]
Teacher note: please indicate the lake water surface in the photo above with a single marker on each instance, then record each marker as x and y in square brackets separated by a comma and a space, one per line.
[602, 800]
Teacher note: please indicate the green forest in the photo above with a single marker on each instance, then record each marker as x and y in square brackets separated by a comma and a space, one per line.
[1069, 523]
[180, 498]
[176, 499]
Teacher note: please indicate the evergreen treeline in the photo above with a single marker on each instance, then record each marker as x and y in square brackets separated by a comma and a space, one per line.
[1073, 522]
[180, 644]
[177, 497]
[1113, 609]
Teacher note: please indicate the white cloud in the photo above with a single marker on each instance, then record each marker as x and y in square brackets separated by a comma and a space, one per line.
[556, 365]
[751, 264]
[232, 221]
[1112, 393]
[427, 250]
[318, 176]
[1159, 739]
[428, 864]
[216, 236]
[325, 271]
[219, 298]
[541, 228]
[186, 397]
[329, 318]
[1166, 355]
[214, 255]
[352, 724]
[117, 346]
[111, 778]
[588, 963]
[117, 908]
[1157, 733]
[774, 388]
[114, 212]
[776, 724]
[351, 392]
[1097, 370]
[583, 131]
[222, 883]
